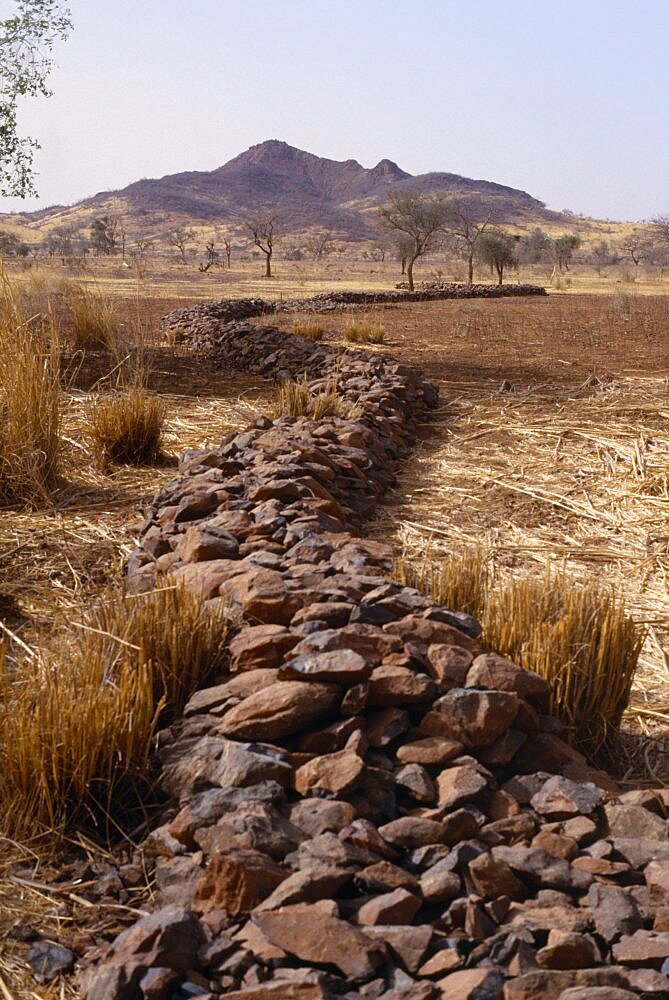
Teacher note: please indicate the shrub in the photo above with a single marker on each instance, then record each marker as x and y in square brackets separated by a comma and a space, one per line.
[77, 727]
[299, 398]
[364, 332]
[126, 426]
[310, 329]
[30, 402]
[92, 319]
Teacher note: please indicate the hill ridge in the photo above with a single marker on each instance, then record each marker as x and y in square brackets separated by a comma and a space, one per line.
[305, 189]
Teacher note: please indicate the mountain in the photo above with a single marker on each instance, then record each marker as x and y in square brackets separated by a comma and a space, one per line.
[305, 190]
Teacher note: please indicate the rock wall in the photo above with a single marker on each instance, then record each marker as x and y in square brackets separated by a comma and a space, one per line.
[194, 321]
[368, 804]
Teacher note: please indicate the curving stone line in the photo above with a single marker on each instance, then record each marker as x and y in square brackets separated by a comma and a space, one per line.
[367, 805]
[192, 322]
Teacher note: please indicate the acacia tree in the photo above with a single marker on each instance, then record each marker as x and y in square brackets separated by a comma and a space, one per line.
[498, 249]
[319, 244]
[105, 233]
[419, 219]
[142, 246]
[660, 224]
[563, 249]
[263, 230]
[467, 226]
[25, 43]
[636, 246]
[602, 255]
[180, 238]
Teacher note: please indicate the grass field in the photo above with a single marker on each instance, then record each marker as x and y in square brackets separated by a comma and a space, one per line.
[551, 445]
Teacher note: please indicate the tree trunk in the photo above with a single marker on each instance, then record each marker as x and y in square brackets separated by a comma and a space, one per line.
[268, 265]
[404, 265]
[410, 274]
[500, 273]
[470, 269]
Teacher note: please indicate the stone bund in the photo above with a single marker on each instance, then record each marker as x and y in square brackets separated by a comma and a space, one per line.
[368, 803]
[194, 321]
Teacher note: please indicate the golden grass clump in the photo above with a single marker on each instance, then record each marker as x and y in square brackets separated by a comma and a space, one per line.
[77, 724]
[92, 320]
[126, 426]
[364, 332]
[299, 398]
[30, 401]
[310, 329]
[580, 638]
[458, 581]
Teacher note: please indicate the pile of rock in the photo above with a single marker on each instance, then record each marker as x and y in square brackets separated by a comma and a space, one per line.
[451, 290]
[368, 804]
[191, 322]
[198, 322]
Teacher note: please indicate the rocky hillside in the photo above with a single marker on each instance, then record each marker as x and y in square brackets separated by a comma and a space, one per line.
[307, 191]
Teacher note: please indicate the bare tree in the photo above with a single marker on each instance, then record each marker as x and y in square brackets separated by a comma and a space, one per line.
[417, 217]
[180, 238]
[378, 251]
[319, 245]
[211, 255]
[263, 230]
[142, 246]
[660, 226]
[122, 237]
[228, 250]
[467, 225]
[636, 246]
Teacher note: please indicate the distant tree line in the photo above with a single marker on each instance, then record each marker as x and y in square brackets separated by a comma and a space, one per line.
[415, 226]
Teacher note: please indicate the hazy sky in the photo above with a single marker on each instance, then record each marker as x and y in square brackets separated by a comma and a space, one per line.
[567, 100]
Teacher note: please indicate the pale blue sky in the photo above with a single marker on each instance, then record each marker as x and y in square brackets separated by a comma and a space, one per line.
[567, 100]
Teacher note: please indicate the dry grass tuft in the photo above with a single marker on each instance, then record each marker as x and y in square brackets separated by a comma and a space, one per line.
[77, 724]
[126, 426]
[364, 332]
[300, 398]
[92, 317]
[458, 581]
[29, 402]
[310, 329]
[578, 636]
